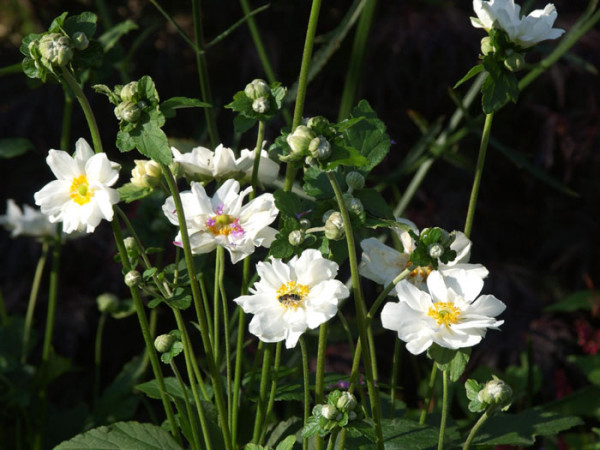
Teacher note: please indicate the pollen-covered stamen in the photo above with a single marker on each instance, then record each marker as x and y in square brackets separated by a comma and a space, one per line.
[444, 313]
[80, 191]
[221, 224]
[291, 294]
[420, 273]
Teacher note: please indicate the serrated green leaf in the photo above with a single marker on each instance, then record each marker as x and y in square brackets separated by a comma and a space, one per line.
[169, 106]
[287, 443]
[241, 104]
[473, 71]
[343, 155]
[31, 70]
[472, 388]
[123, 435]
[281, 248]
[13, 147]
[499, 86]
[57, 23]
[311, 427]
[147, 90]
[110, 37]
[405, 434]
[287, 202]
[129, 192]
[375, 204]
[84, 22]
[125, 141]
[172, 387]
[290, 427]
[241, 124]
[149, 273]
[152, 142]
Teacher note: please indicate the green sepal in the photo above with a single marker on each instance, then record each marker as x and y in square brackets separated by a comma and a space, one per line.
[472, 388]
[84, 22]
[473, 71]
[57, 23]
[452, 361]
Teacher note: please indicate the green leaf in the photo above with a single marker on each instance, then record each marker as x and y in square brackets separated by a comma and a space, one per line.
[287, 443]
[172, 386]
[311, 427]
[343, 155]
[129, 192]
[287, 427]
[123, 435]
[375, 204]
[125, 141]
[169, 106]
[84, 22]
[473, 71]
[522, 428]
[104, 89]
[12, 147]
[152, 142]
[147, 90]
[499, 87]
[472, 388]
[577, 300]
[280, 247]
[109, 38]
[406, 434]
[57, 23]
[241, 124]
[589, 365]
[288, 202]
[241, 104]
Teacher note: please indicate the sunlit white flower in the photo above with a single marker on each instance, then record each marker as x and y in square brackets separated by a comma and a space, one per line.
[449, 313]
[222, 220]
[81, 195]
[522, 31]
[382, 263]
[289, 298]
[27, 222]
[204, 164]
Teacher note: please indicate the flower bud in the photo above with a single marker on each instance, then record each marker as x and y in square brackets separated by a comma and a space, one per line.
[146, 173]
[260, 105]
[436, 250]
[56, 49]
[326, 215]
[347, 402]
[129, 91]
[296, 237]
[107, 303]
[352, 415]
[133, 278]
[318, 124]
[130, 111]
[164, 342]
[515, 62]
[334, 227]
[304, 223]
[320, 148]
[355, 180]
[328, 411]
[130, 244]
[80, 40]
[256, 89]
[353, 204]
[486, 46]
[300, 139]
[495, 392]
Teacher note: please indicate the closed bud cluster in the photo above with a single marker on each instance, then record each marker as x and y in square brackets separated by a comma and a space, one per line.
[56, 49]
[334, 226]
[256, 89]
[128, 111]
[129, 91]
[80, 40]
[319, 124]
[300, 139]
[146, 173]
[164, 342]
[355, 181]
[296, 237]
[107, 303]
[261, 105]
[133, 278]
[347, 402]
[319, 148]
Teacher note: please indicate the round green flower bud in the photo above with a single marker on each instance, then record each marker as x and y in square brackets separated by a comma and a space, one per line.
[328, 411]
[130, 111]
[256, 89]
[436, 250]
[300, 139]
[304, 223]
[261, 105]
[495, 392]
[355, 180]
[296, 237]
[353, 204]
[133, 278]
[486, 46]
[129, 91]
[80, 40]
[164, 342]
[320, 148]
[130, 245]
[107, 303]
[56, 49]
[334, 227]
[318, 124]
[347, 402]
[515, 62]
[326, 215]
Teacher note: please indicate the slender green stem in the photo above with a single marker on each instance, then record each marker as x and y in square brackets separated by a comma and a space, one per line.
[262, 396]
[205, 304]
[429, 396]
[485, 138]
[73, 85]
[65, 134]
[360, 309]
[475, 429]
[332, 438]
[445, 407]
[3, 314]
[274, 377]
[216, 308]
[52, 296]
[382, 296]
[258, 43]
[320, 374]
[290, 170]
[306, 387]
[188, 409]
[237, 377]
[98, 357]
[258, 148]
[11, 70]
[202, 325]
[396, 362]
[226, 331]
[180, 30]
[33, 295]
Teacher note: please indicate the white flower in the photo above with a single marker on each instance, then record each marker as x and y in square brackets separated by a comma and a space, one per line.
[146, 173]
[81, 196]
[204, 164]
[28, 222]
[522, 31]
[449, 313]
[222, 220]
[382, 263]
[289, 298]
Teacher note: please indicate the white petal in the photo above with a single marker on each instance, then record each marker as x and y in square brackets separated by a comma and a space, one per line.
[63, 166]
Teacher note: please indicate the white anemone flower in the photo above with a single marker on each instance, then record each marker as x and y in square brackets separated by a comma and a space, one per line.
[381, 263]
[81, 195]
[290, 298]
[526, 31]
[449, 313]
[222, 220]
[27, 222]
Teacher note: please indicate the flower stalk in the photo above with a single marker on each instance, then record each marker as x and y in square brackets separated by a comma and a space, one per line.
[33, 295]
[445, 408]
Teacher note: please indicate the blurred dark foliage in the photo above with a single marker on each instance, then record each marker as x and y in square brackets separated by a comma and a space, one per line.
[537, 242]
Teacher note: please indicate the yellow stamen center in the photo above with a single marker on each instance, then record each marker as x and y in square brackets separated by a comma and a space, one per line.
[291, 294]
[444, 313]
[420, 273]
[80, 191]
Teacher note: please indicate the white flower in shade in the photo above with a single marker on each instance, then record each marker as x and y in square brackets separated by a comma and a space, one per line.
[222, 220]
[27, 222]
[449, 313]
[522, 31]
[289, 298]
[81, 196]
[381, 263]
[268, 170]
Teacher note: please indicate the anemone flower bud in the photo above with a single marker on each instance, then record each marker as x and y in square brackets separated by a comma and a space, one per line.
[129, 91]
[515, 62]
[304, 223]
[334, 227]
[355, 180]
[56, 49]
[80, 40]
[320, 148]
[496, 392]
[328, 411]
[146, 173]
[107, 303]
[486, 46]
[164, 342]
[300, 139]
[260, 105]
[436, 250]
[296, 237]
[130, 111]
[347, 402]
[256, 89]
[133, 278]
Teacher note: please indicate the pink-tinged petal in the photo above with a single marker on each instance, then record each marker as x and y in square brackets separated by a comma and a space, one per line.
[226, 196]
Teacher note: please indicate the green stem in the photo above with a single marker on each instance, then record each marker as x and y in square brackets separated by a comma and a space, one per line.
[290, 170]
[216, 297]
[306, 387]
[262, 396]
[205, 306]
[52, 297]
[360, 309]
[274, 378]
[33, 295]
[333, 438]
[202, 325]
[445, 407]
[11, 70]
[173, 22]
[381, 297]
[75, 88]
[258, 43]
[475, 429]
[429, 396]
[395, 373]
[3, 314]
[98, 357]
[320, 374]
[237, 377]
[258, 149]
[485, 138]
[65, 135]
[226, 331]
